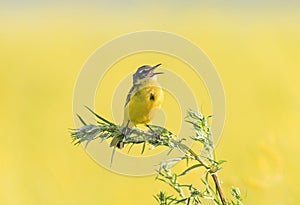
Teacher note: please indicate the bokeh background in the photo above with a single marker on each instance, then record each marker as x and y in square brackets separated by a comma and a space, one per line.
[254, 45]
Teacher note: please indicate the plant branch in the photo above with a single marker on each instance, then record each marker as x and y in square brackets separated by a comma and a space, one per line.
[218, 186]
[159, 136]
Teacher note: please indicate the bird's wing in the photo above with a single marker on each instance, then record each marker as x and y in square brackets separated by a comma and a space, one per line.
[131, 91]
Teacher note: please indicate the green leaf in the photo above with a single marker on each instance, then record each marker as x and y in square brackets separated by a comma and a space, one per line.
[236, 193]
[221, 162]
[182, 200]
[81, 120]
[112, 155]
[130, 147]
[190, 168]
[143, 148]
[98, 116]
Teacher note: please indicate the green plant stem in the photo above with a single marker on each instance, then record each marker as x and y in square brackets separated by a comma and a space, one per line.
[195, 156]
[213, 173]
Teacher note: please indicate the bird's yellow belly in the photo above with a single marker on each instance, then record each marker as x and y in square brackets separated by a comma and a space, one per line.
[143, 103]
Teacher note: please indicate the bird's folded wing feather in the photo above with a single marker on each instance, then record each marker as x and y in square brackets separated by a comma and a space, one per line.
[130, 93]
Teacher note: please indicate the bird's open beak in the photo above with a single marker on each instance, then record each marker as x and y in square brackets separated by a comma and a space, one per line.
[157, 73]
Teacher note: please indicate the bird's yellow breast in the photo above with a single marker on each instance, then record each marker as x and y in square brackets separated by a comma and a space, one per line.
[144, 100]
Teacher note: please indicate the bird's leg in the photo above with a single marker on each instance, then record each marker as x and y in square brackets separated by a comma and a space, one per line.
[155, 134]
[119, 141]
[126, 130]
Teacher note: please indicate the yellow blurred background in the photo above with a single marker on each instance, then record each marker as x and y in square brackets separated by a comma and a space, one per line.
[254, 46]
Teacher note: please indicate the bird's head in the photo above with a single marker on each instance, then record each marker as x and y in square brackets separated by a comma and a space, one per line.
[145, 72]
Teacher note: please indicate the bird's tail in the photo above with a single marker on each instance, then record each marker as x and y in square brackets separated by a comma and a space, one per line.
[117, 141]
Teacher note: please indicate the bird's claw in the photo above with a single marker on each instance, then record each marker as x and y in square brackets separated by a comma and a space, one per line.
[155, 134]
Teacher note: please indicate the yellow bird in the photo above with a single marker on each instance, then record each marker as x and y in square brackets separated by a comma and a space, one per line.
[144, 97]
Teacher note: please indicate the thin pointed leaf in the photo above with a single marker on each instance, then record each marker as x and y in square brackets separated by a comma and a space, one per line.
[188, 202]
[143, 148]
[221, 162]
[169, 152]
[81, 120]
[87, 143]
[112, 155]
[98, 116]
[156, 198]
[209, 116]
[130, 147]
[190, 168]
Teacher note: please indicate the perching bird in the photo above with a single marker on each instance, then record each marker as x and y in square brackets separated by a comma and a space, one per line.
[144, 97]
